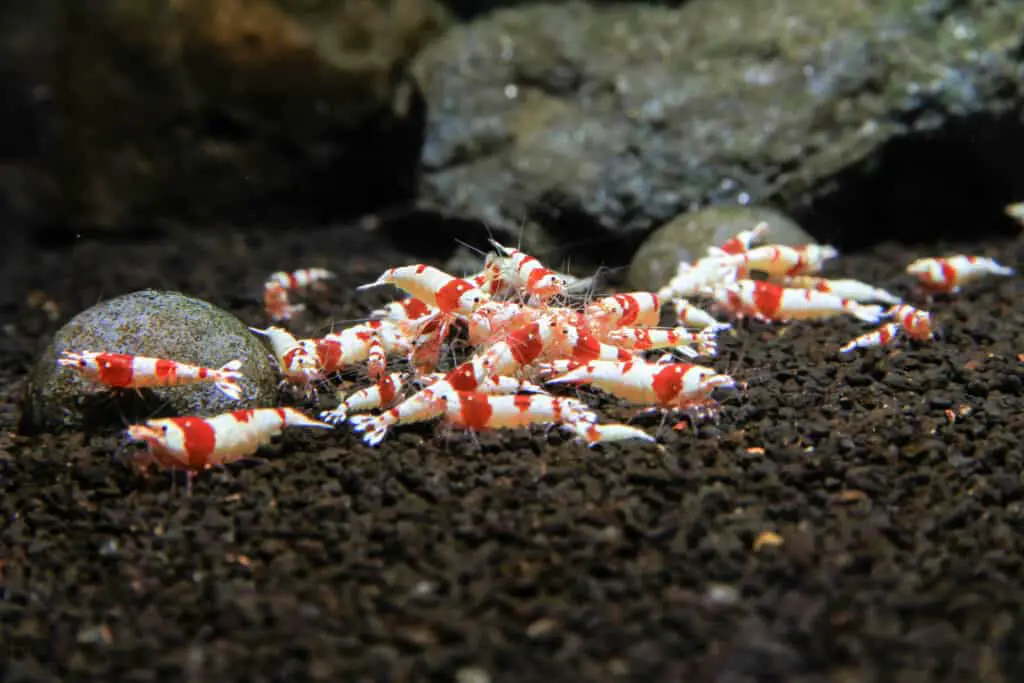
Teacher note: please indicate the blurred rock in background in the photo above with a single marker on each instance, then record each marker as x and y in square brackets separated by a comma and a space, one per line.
[579, 128]
[222, 110]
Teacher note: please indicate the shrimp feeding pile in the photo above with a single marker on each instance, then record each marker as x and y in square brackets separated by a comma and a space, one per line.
[518, 333]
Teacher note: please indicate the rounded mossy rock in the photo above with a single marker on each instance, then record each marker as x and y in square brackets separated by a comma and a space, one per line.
[688, 236]
[159, 324]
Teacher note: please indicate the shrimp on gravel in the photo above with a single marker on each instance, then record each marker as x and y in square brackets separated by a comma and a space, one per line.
[197, 443]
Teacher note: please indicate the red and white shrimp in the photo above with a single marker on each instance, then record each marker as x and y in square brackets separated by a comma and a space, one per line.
[742, 241]
[298, 360]
[663, 385]
[478, 411]
[529, 274]
[544, 339]
[426, 404]
[587, 346]
[280, 285]
[634, 309]
[403, 310]
[915, 322]
[433, 287]
[770, 302]
[371, 342]
[699, 278]
[780, 260]
[677, 338]
[475, 375]
[125, 371]
[196, 443]
[950, 274]
[380, 395]
[847, 289]
[883, 336]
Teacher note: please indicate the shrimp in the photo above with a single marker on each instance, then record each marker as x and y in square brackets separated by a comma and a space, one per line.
[434, 287]
[125, 371]
[948, 275]
[197, 443]
[592, 433]
[380, 395]
[847, 289]
[635, 309]
[780, 260]
[678, 338]
[403, 310]
[279, 286]
[915, 322]
[298, 360]
[477, 411]
[770, 302]
[743, 241]
[883, 336]
[527, 273]
[689, 315]
[664, 385]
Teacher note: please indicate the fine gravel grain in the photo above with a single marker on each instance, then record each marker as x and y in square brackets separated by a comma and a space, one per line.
[891, 481]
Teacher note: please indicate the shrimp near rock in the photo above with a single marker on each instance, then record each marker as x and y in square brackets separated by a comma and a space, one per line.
[126, 371]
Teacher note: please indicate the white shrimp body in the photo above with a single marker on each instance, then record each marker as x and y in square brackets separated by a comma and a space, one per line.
[847, 289]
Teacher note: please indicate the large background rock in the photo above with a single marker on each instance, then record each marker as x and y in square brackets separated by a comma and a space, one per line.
[237, 110]
[591, 126]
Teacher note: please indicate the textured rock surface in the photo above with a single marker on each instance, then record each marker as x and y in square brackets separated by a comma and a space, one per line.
[226, 109]
[601, 123]
[687, 237]
[149, 323]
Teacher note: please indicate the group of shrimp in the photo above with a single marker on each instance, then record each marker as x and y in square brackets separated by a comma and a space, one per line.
[790, 287]
[517, 329]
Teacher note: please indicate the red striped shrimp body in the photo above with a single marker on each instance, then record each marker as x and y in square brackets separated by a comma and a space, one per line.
[635, 309]
[298, 360]
[744, 240]
[847, 289]
[125, 371]
[883, 336]
[403, 310]
[780, 260]
[491, 278]
[540, 340]
[915, 322]
[497, 318]
[475, 375]
[664, 385]
[279, 286]
[770, 302]
[478, 411]
[380, 395]
[196, 443]
[949, 274]
[677, 338]
[527, 273]
[587, 346]
[433, 287]
[371, 342]
[426, 404]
